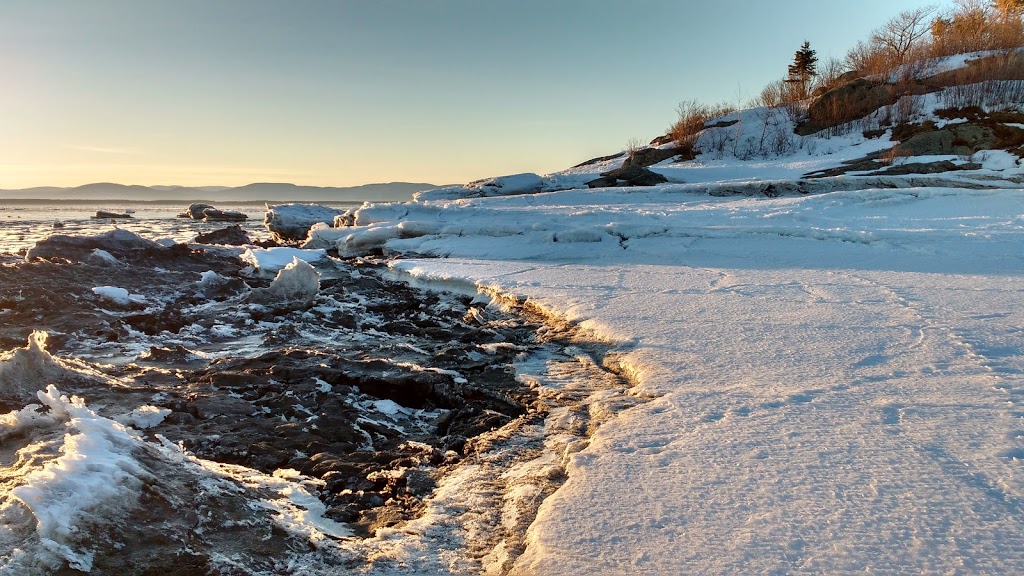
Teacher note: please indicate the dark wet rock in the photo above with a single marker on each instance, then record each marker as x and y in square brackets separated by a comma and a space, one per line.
[103, 214]
[216, 215]
[371, 387]
[232, 236]
[178, 355]
[602, 182]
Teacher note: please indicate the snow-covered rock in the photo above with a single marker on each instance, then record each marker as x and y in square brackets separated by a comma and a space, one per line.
[82, 247]
[291, 222]
[524, 183]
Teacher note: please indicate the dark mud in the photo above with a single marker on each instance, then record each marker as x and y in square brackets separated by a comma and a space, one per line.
[374, 389]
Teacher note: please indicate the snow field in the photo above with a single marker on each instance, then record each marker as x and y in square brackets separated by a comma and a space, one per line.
[837, 377]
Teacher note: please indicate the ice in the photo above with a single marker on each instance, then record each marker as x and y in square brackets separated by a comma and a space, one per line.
[210, 279]
[113, 293]
[145, 417]
[105, 256]
[274, 259]
[293, 221]
[294, 287]
[95, 469]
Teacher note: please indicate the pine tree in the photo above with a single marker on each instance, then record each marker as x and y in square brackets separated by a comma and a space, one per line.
[803, 68]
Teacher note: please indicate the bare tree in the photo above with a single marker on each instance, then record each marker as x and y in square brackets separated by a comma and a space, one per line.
[902, 33]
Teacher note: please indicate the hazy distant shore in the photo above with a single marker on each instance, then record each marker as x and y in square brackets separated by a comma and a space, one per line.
[165, 202]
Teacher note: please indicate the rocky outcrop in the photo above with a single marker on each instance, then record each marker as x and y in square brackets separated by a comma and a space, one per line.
[848, 101]
[628, 176]
[651, 156]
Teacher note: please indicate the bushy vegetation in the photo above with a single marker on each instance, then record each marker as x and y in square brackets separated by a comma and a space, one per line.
[892, 62]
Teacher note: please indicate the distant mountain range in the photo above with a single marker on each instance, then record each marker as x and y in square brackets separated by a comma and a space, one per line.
[265, 191]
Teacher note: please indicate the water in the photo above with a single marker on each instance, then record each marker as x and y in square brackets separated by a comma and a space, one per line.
[24, 222]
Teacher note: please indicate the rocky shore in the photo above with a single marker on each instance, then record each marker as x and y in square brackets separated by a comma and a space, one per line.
[370, 388]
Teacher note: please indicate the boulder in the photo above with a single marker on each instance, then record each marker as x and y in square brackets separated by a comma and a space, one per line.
[195, 211]
[231, 236]
[849, 101]
[78, 248]
[651, 156]
[635, 176]
[216, 215]
[602, 182]
[524, 183]
[958, 139]
[100, 214]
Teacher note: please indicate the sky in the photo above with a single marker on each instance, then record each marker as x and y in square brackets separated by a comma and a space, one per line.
[348, 92]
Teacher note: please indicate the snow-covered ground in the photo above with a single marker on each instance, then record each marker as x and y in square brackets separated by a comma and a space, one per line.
[835, 380]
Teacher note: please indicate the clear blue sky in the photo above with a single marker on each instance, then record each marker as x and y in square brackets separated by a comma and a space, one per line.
[353, 91]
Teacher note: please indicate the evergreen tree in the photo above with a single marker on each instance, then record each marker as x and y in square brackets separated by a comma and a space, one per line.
[803, 68]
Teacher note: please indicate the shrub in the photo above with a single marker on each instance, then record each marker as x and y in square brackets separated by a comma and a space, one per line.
[693, 115]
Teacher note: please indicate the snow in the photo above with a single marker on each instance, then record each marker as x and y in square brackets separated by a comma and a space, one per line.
[274, 259]
[105, 256]
[828, 383]
[119, 296]
[144, 417]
